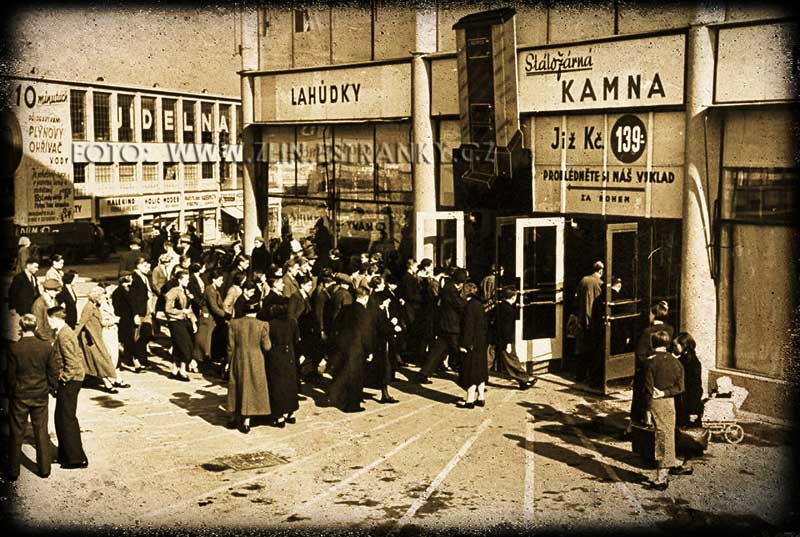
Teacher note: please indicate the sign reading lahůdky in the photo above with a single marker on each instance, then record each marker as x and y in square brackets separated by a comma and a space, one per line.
[640, 72]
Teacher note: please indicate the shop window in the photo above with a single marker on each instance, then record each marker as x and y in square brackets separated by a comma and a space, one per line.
[278, 151]
[168, 112]
[188, 122]
[354, 163]
[207, 123]
[372, 227]
[79, 179]
[314, 158]
[148, 119]
[764, 195]
[102, 116]
[77, 114]
[225, 175]
[393, 159]
[125, 118]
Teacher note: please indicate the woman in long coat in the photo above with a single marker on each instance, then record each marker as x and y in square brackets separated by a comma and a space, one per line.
[96, 358]
[380, 370]
[248, 392]
[474, 373]
[281, 365]
[352, 348]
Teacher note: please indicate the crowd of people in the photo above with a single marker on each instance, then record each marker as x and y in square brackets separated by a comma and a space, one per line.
[269, 321]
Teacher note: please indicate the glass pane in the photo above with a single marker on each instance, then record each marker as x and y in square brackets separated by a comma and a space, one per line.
[102, 118]
[278, 151]
[624, 262]
[224, 124]
[354, 162]
[207, 123]
[148, 119]
[538, 281]
[624, 321]
[77, 108]
[299, 216]
[188, 122]
[449, 139]
[624, 335]
[506, 253]
[314, 155]
[371, 227]
[168, 119]
[393, 158]
[125, 113]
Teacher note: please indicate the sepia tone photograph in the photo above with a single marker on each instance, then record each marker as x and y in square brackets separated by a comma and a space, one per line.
[399, 268]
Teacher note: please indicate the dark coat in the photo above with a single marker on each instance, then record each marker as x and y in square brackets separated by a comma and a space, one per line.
[213, 303]
[39, 310]
[70, 306]
[319, 303]
[644, 350]
[506, 321]
[140, 295]
[127, 260]
[260, 259]
[474, 329]
[123, 308]
[352, 346]
[691, 400]
[32, 369]
[341, 297]
[267, 302]
[248, 340]
[21, 293]
[452, 304]
[282, 366]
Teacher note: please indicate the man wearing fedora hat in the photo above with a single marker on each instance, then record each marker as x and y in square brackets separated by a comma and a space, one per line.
[40, 306]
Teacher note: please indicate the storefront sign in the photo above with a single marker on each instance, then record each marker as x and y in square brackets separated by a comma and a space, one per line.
[83, 209]
[626, 73]
[757, 63]
[378, 91]
[199, 200]
[157, 203]
[39, 152]
[119, 206]
[232, 197]
[611, 164]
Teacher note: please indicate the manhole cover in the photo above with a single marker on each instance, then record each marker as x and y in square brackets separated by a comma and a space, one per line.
[244, 461]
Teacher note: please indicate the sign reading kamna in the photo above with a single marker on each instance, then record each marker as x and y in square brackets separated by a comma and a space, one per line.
[609, 164]
[641, 72]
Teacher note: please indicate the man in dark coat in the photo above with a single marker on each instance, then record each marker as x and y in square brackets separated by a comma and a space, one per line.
[341, 297]
[506, 321]
[260, 258]
[473, 343]
[127, 260]
[24, 289]
[352, 345]
[452, 304]
[157, 245]
[69, 299]
[123, 308]
[141, 295]
[32, 374]
[275, 296]
[589, 288]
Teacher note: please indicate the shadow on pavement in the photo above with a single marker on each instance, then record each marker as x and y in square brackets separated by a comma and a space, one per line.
[206, 406]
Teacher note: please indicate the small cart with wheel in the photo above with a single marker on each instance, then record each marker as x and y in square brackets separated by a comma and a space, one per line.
[720, 411]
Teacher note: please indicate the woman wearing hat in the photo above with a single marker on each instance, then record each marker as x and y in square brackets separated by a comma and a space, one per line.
[474, 373]
[248, 392]
[23, 254]
[96, 357]
[110, 326]
[56, 270]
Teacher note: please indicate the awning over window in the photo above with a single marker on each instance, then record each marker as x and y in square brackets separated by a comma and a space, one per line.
[233, 212]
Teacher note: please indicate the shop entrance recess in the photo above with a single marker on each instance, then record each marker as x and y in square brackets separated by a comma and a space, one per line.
[440, 237]
[531, 254]
[623, 308]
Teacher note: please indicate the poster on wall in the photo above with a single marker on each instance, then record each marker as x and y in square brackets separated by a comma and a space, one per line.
[609, 164]
[39, 153]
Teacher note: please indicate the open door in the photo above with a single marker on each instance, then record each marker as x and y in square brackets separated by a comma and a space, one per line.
[623, 308]
[440, 237]
[531, 254]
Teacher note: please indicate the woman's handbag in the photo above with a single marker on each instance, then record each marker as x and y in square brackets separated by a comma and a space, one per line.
[691, 440]
[643, 441]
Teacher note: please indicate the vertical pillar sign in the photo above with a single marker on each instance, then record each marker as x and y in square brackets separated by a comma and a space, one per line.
[41, 153]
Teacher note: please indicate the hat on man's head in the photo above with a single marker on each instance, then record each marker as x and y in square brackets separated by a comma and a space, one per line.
[460, 276]
[185, 237]
[137, 241]
[165, 258]
[259, 239]
[51, 284]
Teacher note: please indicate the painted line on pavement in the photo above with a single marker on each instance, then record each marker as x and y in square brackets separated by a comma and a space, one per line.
[527, 504]
[258, 477]
[377, 462]
[443, 474]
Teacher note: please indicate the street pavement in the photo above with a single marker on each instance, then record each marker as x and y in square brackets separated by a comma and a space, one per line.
[549, 458]
[546, 458]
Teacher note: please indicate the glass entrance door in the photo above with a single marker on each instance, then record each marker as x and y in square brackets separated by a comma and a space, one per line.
[623, 302]
[440, 237]
[530, 252]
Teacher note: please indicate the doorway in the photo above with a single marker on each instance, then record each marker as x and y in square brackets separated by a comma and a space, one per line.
[440, 237]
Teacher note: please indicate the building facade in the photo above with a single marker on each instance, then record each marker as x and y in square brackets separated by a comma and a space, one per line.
[125, 157]
[661, 141]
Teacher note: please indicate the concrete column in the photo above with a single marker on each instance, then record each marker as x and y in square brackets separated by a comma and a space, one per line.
[698, 311]
[423, 171]
[249, 63]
